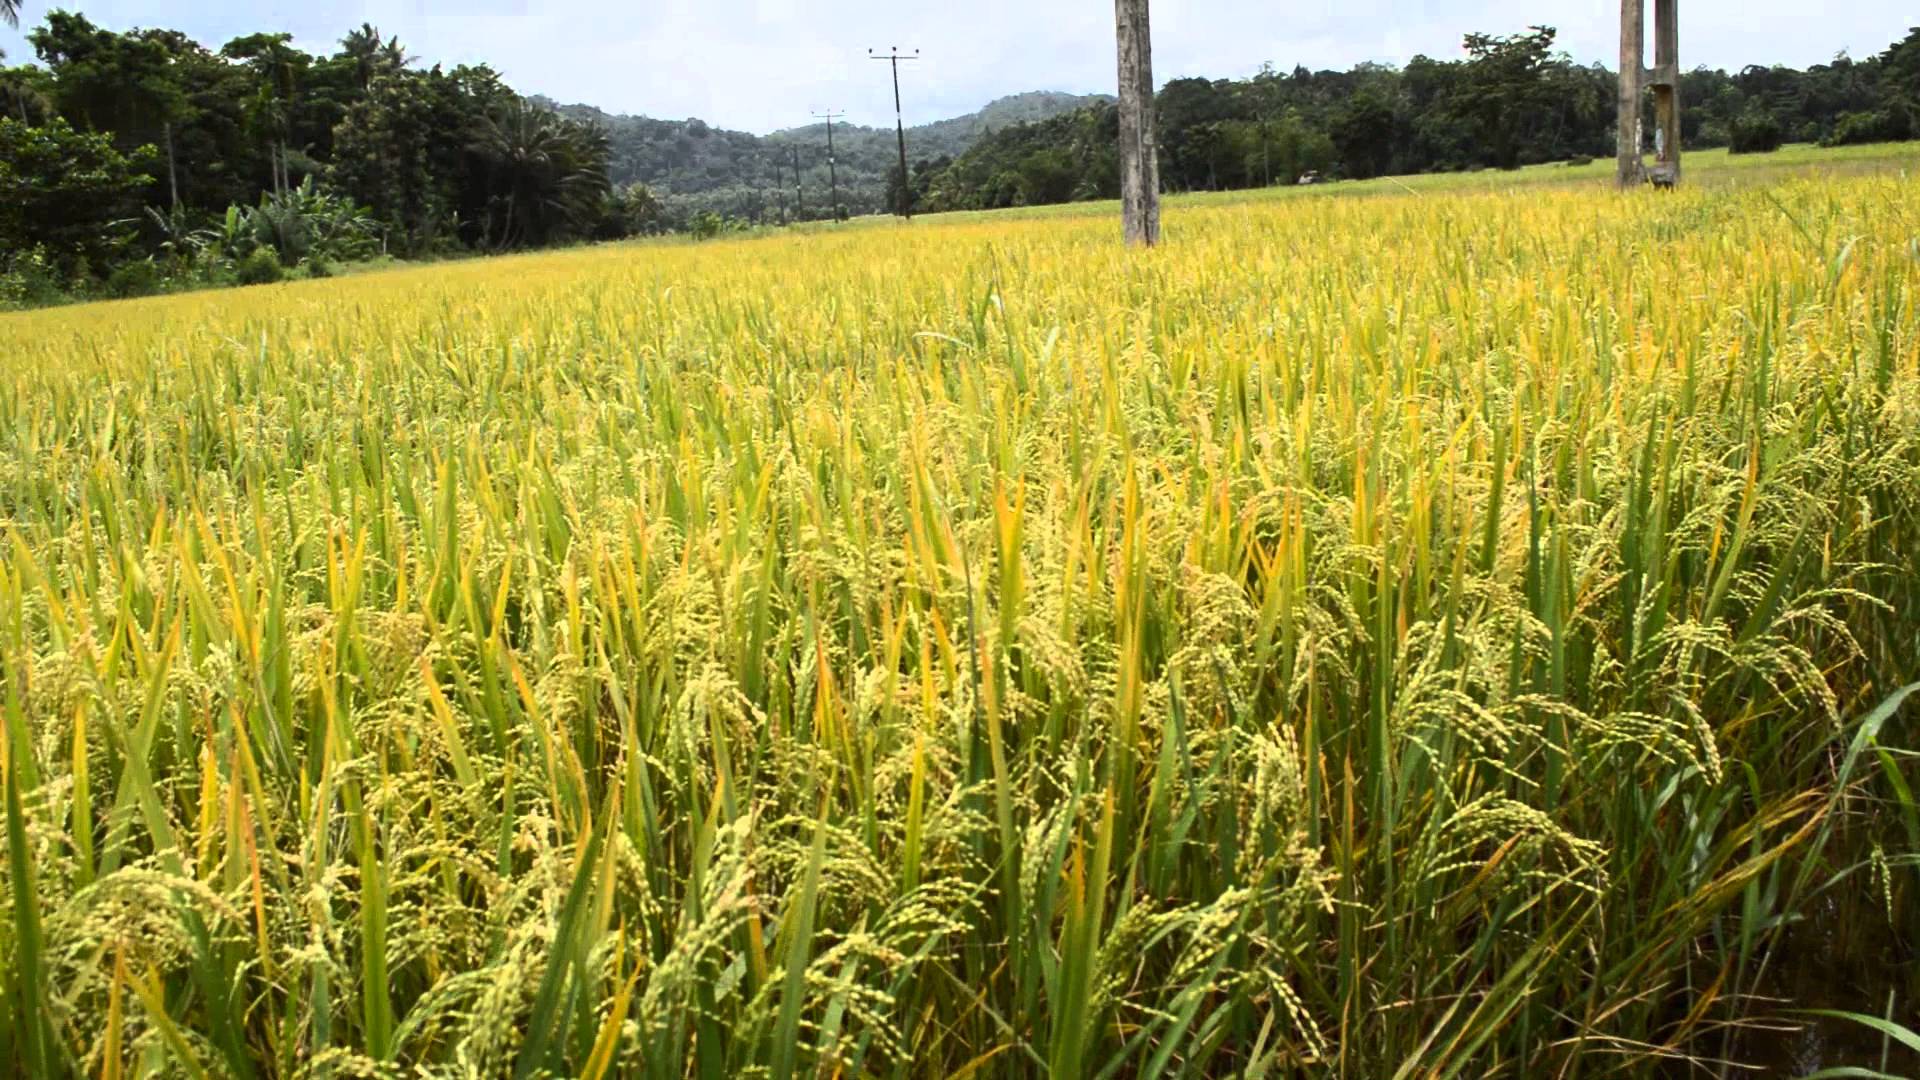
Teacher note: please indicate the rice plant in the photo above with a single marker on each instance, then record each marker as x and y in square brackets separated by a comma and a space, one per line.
[1443, 633]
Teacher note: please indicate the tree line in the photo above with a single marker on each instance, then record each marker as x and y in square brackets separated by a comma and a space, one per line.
[142, 160]
[1509, 101]
[132, 161]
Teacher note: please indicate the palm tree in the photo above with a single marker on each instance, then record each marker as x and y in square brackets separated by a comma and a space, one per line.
[371, 55]
[548, 172]
[10, 13]
[394, 57]
[20, 97]
[276, 64]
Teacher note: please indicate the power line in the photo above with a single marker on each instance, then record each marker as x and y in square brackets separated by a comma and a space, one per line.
[893, 56]
[833, 171]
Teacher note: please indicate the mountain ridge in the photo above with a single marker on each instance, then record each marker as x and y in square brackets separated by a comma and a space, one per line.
[693, 165]
[1027, 106]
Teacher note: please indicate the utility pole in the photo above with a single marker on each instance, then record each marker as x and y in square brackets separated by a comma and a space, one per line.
[894, 56]
[779, 189]
[833, 170]
[799, 204]
[1139, 162]
[1664, 78]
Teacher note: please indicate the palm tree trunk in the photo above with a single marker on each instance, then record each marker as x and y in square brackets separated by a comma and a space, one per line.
[173, 177]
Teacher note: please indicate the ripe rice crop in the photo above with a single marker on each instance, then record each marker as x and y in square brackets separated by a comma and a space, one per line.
[1443, 633]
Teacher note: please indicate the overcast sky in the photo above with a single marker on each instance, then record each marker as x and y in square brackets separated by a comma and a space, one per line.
[760, 65]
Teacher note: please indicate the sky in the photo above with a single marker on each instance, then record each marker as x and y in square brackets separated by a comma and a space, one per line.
[762, 65]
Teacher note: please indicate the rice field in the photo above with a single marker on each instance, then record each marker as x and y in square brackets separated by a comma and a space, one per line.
[1453, 632]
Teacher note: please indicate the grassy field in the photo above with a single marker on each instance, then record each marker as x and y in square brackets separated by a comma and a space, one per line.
[1453, 632]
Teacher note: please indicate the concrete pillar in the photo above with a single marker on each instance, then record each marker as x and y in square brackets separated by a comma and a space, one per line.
[1633, 58]
[1666, 91]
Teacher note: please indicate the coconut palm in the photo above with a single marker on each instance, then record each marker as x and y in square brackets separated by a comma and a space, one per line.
[277, 67]
[373, 55]
[10, 12]
[21, 98]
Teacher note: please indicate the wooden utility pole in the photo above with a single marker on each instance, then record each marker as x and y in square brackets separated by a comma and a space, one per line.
[894, 56]
[799, 203]
[779, 188]
[1664, 78]
[833, 170]
[1139, 160]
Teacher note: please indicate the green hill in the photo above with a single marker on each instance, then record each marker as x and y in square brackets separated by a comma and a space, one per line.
[696, 166]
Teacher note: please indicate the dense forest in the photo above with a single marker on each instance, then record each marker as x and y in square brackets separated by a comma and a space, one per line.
[1510, 101]
[140, 160]
[137, 161]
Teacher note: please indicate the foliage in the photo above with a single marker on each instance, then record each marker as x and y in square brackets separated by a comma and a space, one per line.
[1756, 132]
[633, 210]
[1073, 156]
[1895, 123]
[706, 225]
[23, 94]
[1504, 87]
[1509, 101]
[1419, 634]
[305, 221]
[549, 173]
[694, 166]
[259, 267]
[1901, 64]
[28, 278]
[141, 277]
[67, 192]
[263, 125]
[409, 149]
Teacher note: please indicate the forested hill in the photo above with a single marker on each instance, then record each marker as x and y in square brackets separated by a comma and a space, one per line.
[949, 137]
[692, 166]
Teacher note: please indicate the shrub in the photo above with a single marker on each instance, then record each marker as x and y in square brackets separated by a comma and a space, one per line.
[1755, 132]
[139, 278]
[306, 220]
[28, 279]
[1895, 123]
[260, 268]
[70, 192]
[630, 211]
